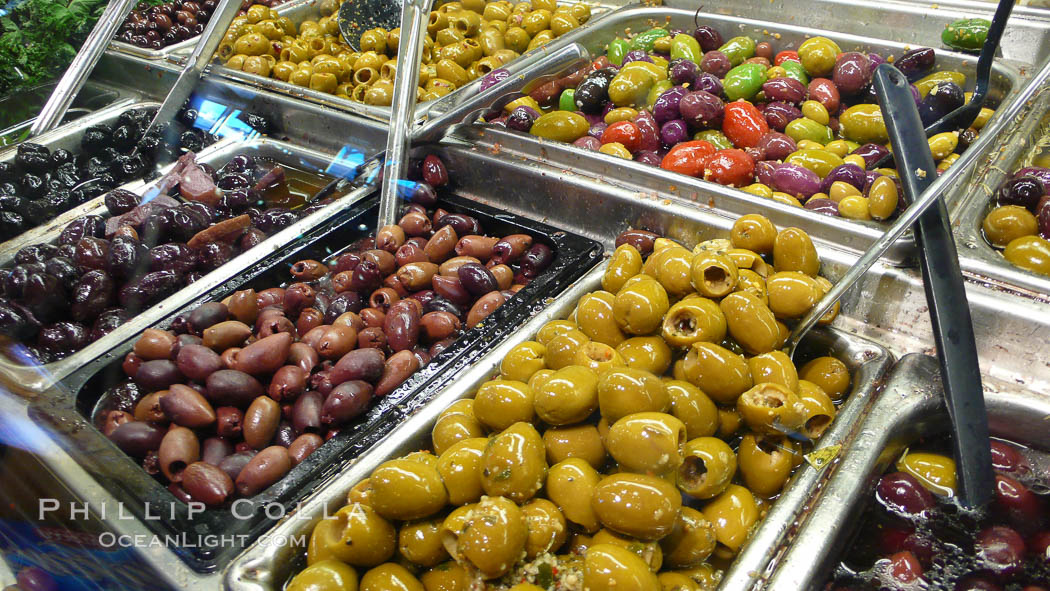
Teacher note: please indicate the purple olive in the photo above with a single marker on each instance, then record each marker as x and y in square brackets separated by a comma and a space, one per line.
[776, 145]
[764, 171]
[648, 157]
[588, 142]
[674, 132]
[522, 118]
[871, 153]
[824, 206]
[784, 89]
[942, 99]
[852, 73]
[708, 83]
[494, 77]
[715, 62]
[597, 130]
[795, 180]
[636, 55]
[666, 106]
[848, 173]
[916, 63]
[701, 109]
[902, 493]
[708, 38]
[684, 72]
[1025, 191]
[536, 259]
[1043, 174]
[779, 113]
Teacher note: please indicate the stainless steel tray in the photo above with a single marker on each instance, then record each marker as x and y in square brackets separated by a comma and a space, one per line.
[31, 379]
[308, 9]
[910, 406]
[1013, 149]
[92, 98]
[262, 568]
[1007, 81]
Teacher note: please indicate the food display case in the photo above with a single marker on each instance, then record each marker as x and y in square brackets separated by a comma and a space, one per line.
[220, 370]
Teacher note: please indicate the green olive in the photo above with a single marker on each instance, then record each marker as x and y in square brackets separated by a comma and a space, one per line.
[733, 513]
[639, 505]
[691, 540]
[626, 262]
[420, 542]
[598, 357]
[705, 576]
[774, 367]
[625, 391]
[818, 55]
[650, 552]
[326, 531]
[594, 315]
[252, 44]
[424, 456]
[766, 462]
[404, 489]
[754, 232]
[1029, 252]
[562, 23]
[517, 39]
[751, 323]
[608, 567]
[830, 374]
[568, 397]
[754, 284]
[571, 485]
[548, 331]
[630, 87]
[647, 442]
[791, 294]
[769, 408]
[498, 404]
[326, 575]
[361, 537]
[491, 40]
[448, 576]
[676, 581]
[522, 361]
[718, 372]
[729, 422]
[819, 409]
[794, 251]
[693, 319]
[561, 349]
[493, 536]
[639, 308]
[514, 464]
[562, 126]
[361, 493]
[646, 353]
[708, 466]
[546, 525]
[540, 378]
[1006, 223]
[863, 124]
[574, 441]
[671, 268]
[713, 275]
[390, 577]
[691, 406]
[457, 422]
[936, 472]
[460, 470]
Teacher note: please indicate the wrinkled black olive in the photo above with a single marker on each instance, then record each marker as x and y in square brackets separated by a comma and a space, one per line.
[11, 224]
[84, 226]
[32, 186]
[7, 171]
[95, 138]
[96, 167]
[107, 322]
[9, 188]
[256, 122]
[60, 157]
[58, 201]
[192, 140]
[39, 211]
[188, 117]
[35, 162]
[120, 201]
[149, 144]
[124, 137]
[274, 219]
[90, 190]
[13, 203]
[35, 253]
[64, 178]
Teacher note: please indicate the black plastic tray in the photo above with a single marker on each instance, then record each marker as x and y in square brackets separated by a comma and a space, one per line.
[72, 406]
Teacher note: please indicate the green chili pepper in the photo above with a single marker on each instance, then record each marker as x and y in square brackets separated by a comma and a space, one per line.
[795, 70]
[715, 138]
[967, 34]
[617, 49]
[567, 100]
[686, 47]
[738, 49]
[646, 39]
[744, 81]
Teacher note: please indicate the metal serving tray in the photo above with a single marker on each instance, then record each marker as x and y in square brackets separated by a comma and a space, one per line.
[308, 9]
[910, 406]
[1006, 82]
[92, 98]
[77, 405]
[1013, 150]
[29, 379]
[185, 46]
[262, 568]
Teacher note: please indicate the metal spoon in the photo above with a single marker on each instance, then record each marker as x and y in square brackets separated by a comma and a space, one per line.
[964, 116]
[945, 294]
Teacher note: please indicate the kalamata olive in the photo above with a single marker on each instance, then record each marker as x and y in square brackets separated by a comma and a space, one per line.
[824, 206]
[485, 306]
[265, 468]
[148, 289]
[157, 375]
[179, 448]
[285, 434]
[346, 401]
[1007, 459]
[306, 413]
[536, 260]
[779, 113]
[288, 383]
[273, 296]
[155, 344]
[303, 446]
[1022, 507]
[942, 99]
[401, 326]
[261, 421]
[463, 224]
[1025, 191]
[683, 71]
[114, 419]
[784, 89]
[207, 483]
[136, 438]
[825, 92]
[360, 364]
[852, 72]
[93, 293]
[365, 277]
[197, 362]
[476, 279]
[265, 355]
[916, 63]
[776, 145]
[233, 464]
[309, 319]
[230, 387]
[214, 449]
[437, 326]
[434, 172]
[347, 301]
[701, 109]
[396, 370]
[871, 153]
[902, 493]
[708, 38]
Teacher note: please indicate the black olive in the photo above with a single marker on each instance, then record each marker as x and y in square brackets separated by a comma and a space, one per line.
[129, 167]
[9, 188]
[61, 156]
[108, 155]
[256, 122]
[85, 226]
[106, 181]
[32, 186]
[7, 171]
[192, 140]
[275, 218]
[89, 190]
[32, 148]
[130, 118]
[95, 138]
[64, 269]
[66, 176]
[96, 167]
[13, 203]
[188, 117]
[59, 201]
[124, 137]
[108, 321]
[149, 144]
[33, 161]
[593, 92]
[39, 211]
[35, 253]
[206, 212]
[154, 231]
[11, 224]
[120, 201]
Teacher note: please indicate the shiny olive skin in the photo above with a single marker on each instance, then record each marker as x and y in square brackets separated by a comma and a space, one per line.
[791, 294]
[575, 441]
[571, 484]
[768, 405]
[460, 470]
[717, 371]
[548, 331]
[608, 567]
[324, 576]
[733, 513]
[774, 367]
[420, 542]
[754, 232]
[794, 251]
[818, 409]
[403, 489]
[692, 320]
[569, 396]
[639, 307]
[830, 374]
[713, 275]
[646, 353]
[457, 422]
[498, 404]
[650, 552]
[1006, 223]
[598, 357]
[494, 536]
[708, 466]
[523, 361]
[672, 269]
[594, 316]
[694, 408]
[514, 463]
[691, 540]
[751, 323]
[625, 391]
[765, 462]
[647, 442]
[448, 576]
[561, 349]
[547, 528]
[373, 538]
[390, 576]
[626, 262]
[638, 505]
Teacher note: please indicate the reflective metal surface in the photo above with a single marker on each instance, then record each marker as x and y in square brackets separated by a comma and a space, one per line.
[910, 406]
